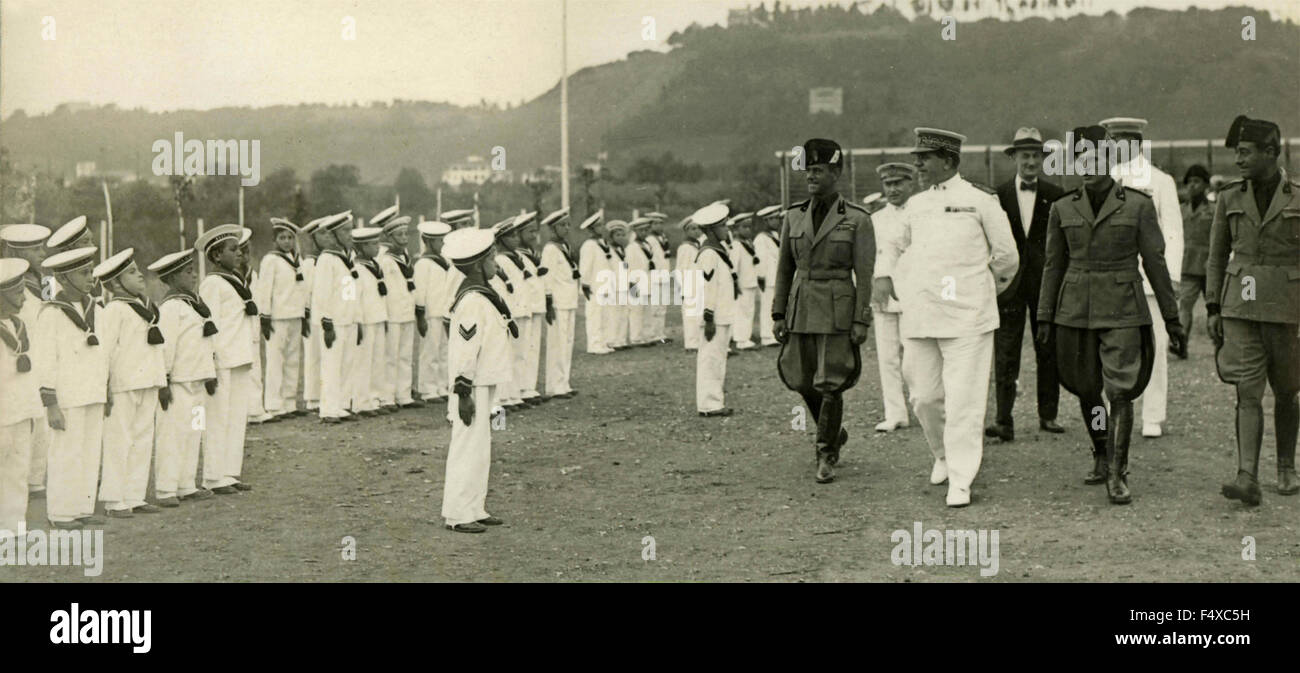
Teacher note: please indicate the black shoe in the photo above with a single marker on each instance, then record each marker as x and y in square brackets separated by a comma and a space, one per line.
[1003, 432]
[1245, 489]
[825, 468]
[113, 514]
[146, 509]
[172, 501]
[92, 521]
[467, 528]
[331, 420]
[1288, 483]
[1100, 470]
[490, 521]
[413, 404]
[1050, 426]
[241, 486]
[725, 411]
[225, 490]
[1181, 353]
[201, 494]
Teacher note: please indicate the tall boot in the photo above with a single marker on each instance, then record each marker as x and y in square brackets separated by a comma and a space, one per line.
[1100, 437]
[1117, 442]
[829, 427]
[814, 403]
[1286, 420]
[1250, 434]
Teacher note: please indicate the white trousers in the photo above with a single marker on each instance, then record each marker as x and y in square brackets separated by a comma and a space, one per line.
[659, 321]
[464, 492]
[742, 331]
[311, 368]
[765, 299]
[433, 361]
[128, 448]
[40, 456]
[176, 451]
[559, 351]
[949, 383]
[638, 322]
[335, 395]
[15, 458]
[283, 358]
[595, 319]
[509, 392]
[75, 452]
[889, 356]
[368, 356]
[692, 328]
[398, 353]
[224, 426]
[254, 407]
[616, 324]
[711, 370]
[532, 355]
[1155, 399]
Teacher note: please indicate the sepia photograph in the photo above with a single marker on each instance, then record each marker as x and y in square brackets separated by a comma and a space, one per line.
[651, 291]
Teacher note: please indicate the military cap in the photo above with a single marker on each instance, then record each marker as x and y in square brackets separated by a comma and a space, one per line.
[69, 260]
[1258, 131]
[1117, 125]
[172, 262]
[556, 216]
[216, 235]
[245, 236]
[595, 217]
[769, 211]
[1026, 138]
[396, 223]
[714, 213]
[1093, 134]
[656, 215]
[282, 223]
[24, 235]
[937, 140]
[1196, 171]
[113, 266]
[464, 247]
[615, 225]
[822, 151]
[738, 218]
[524, 219]
[641, 222]
[366, 234]
[895, 170]
[332, 222]
[11, 272]
[434, 228]
[67, 233]
[686, 222]
[457, 216]
[384, 216]
[311, 227]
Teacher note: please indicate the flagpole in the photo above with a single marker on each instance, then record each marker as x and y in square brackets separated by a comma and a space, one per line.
[108, 206]
[564, 103]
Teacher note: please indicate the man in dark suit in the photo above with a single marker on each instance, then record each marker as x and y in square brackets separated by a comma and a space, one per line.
[1027, 200]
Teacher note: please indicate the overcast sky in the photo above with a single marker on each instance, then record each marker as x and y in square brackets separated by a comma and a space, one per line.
[200, 54]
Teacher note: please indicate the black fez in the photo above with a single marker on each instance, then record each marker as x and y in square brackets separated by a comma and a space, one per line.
[1258, 131]
[1093, 134]
[1196, 171]
[822, 151]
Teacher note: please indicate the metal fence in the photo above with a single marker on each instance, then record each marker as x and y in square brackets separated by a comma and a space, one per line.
[988, 164]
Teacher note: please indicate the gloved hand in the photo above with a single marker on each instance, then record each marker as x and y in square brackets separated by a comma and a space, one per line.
[328, 334]
[421, 326]
[165, 397]
[266, 327]
[210, 385]
[859, 333]
[1177, 336]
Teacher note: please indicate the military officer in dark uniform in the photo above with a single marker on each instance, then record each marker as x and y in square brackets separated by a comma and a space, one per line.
[1198, 214]
[1254, 301]
[818, 315]
[1093, 304]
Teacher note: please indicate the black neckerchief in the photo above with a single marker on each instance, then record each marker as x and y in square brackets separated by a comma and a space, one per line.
[17, 342]
[148, 313]
[343, 258]
[250, 307]
[437, 259]
[749, 248]
[292, 260]
[535, 259]
[726, 258]
[373, 267]
[87, 324]
[649, 254]
[618, 250]
[194, 302]
[605, 247]
[492, 296]
[564, 250]
[772, 236]
[404, 266]
[517, 259]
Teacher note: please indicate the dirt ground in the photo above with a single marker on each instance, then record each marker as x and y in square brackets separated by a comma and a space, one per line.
[582, 482]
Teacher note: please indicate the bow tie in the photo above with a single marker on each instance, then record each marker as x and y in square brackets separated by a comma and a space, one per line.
[1028, 186]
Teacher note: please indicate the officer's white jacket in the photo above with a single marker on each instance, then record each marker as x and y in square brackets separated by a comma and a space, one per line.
[1162, 189]
[431, 287]
[20, 396]
[335, 295]
[592, 261]
[559, 281]
[746, 271]
[233, 342]
[888, 224]
[278, 292]
[133, 362]
[373, 307]
[75, 372]
[719, 289]
[516, 293]
[401, 300]
[768, 249]
[954, 254]
[479, 351]
[535, 284]
[187, 354]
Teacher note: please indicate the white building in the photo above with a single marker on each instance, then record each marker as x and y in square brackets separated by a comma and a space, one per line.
[475, 171]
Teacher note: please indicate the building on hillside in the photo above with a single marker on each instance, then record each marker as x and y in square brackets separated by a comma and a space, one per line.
[475, 171]
[88, 169]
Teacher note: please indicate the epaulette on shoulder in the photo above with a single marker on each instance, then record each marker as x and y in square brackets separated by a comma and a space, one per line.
[857, 207]
[800, 204]
[1135, 190]
[983, 187]
[1074, 194]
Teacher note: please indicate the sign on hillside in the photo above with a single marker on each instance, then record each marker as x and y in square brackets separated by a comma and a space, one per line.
[828, 99]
